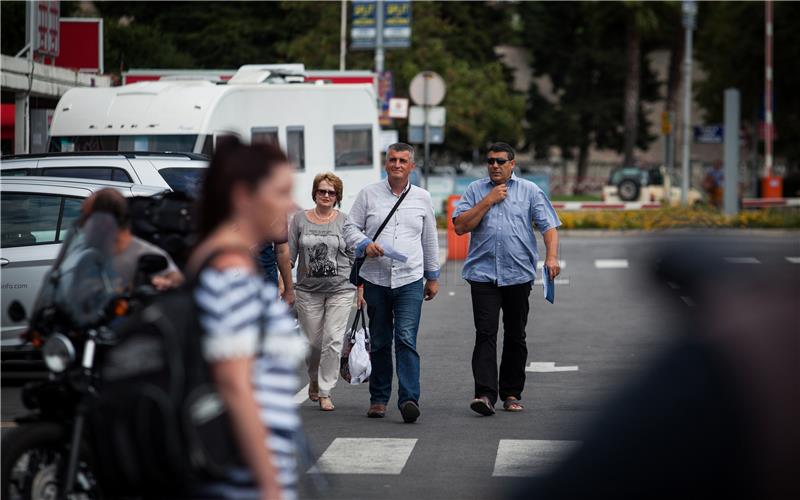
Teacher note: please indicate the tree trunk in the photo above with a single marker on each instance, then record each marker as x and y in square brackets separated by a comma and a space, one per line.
[632, 80]
[583, 164]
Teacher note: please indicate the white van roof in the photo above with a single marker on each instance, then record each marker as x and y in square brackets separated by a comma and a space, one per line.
[162, 107]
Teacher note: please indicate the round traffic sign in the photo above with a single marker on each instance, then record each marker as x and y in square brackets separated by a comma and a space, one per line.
[427, 89]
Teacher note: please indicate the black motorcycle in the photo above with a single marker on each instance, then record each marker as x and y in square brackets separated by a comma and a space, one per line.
[46, 456]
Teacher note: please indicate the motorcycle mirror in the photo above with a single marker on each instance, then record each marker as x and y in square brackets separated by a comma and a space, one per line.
[151, 264]
[16, 311]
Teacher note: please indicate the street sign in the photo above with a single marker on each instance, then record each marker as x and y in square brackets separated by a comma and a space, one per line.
[666, 124]
[398, 107]
[427, 89]
[363, 24]
[82, 49]
[396, 24]
[437, 116]
[708, 134]
[389, 137]
[416, 135]
[46, 37]
[385, 94]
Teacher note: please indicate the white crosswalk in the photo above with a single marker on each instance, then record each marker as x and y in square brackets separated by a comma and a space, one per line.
[389, 456]
[365, 456]
[529, 457]
[793, 260]
[611, 263]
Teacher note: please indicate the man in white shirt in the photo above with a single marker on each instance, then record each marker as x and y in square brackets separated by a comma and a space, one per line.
[394, 289]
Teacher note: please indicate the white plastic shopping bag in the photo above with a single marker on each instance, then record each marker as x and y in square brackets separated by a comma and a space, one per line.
[355, 365]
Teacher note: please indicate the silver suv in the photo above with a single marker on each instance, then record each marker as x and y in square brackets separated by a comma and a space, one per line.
[35, 215]
[177, 171]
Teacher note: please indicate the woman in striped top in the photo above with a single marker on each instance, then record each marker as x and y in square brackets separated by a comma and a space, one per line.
[249, 338]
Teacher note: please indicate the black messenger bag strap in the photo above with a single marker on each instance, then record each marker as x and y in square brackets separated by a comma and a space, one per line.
[391, 212]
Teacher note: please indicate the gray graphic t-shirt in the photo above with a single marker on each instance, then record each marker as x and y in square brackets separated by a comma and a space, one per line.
[323, 259]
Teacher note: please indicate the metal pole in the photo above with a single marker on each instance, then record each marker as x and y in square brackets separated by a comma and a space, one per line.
[379, 38]
[689, 9]
[731, 153]
[343, 37]
[426, 167]
[768, 91]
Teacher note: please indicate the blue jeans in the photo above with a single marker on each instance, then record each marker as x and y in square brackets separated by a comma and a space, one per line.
[394, 314]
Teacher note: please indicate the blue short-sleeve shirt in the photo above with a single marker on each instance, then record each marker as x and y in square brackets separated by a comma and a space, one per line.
[502, 248]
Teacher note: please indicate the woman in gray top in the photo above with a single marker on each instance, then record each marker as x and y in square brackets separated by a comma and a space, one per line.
[323, 292]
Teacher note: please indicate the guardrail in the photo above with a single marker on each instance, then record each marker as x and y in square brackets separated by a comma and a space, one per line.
[770, 202]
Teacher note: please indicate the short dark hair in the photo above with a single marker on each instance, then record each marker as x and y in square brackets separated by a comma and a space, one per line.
[502, 147]
[400, 147]
[109, 201]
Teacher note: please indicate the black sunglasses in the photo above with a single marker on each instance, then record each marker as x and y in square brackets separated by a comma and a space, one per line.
[326, 192]
[499, 161]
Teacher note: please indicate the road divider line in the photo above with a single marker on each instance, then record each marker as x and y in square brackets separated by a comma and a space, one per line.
[793, 260]
[529, 457]
[365, 456]
[546, 367]
[742, 260]
[611, 263]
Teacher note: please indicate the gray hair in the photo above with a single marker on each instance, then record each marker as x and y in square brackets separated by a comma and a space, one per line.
[399, 147]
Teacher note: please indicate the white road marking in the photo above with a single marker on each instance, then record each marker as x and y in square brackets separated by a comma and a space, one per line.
[673, 285]
[558, 281]
[561, 263]
[451, 294]
[687, 300]
[546, 367]
[529, 457]
[301, 395]
[742, 260]
[793, 260]
[611, 263]
[365, 456]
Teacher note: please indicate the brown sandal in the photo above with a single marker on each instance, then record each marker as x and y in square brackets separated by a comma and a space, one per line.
[325, 404]
[512, 404]
[313, 391]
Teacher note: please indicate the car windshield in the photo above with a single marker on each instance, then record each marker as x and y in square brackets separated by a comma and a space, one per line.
[162, 143]
[183, 179]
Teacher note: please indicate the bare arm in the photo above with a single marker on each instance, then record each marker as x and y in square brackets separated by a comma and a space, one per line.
[232, 378]
[551, 256]
[285, 268]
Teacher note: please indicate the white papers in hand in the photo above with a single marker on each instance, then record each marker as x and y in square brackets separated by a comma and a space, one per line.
[393, 254]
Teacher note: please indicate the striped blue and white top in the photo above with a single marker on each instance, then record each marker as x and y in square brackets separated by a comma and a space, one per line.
[236, 306]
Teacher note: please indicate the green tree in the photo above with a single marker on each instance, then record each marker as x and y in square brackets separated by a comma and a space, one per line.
[730, 47]
[580, 47]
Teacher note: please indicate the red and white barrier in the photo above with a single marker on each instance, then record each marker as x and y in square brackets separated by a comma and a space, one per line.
[598, 205]
[770, 202]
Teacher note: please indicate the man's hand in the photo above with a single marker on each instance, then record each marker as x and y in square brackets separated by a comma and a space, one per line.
[553, 269]
[360, 301]
[374, 250]
[288, 296]
[163, 282]
[497, 194]
[431, 289]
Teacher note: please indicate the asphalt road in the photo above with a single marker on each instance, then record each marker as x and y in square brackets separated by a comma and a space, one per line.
[610, 317]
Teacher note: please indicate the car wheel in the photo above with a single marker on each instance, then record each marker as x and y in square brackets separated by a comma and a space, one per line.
[628, 190]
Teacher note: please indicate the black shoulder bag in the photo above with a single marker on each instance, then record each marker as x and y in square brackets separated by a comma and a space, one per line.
[359, 261]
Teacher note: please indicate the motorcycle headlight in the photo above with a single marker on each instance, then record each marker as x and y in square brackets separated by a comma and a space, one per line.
[58, 353]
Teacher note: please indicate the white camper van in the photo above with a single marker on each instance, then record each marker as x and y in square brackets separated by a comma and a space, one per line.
[323, 127]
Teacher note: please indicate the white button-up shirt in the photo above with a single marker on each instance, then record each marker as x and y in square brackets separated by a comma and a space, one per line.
[411, 231]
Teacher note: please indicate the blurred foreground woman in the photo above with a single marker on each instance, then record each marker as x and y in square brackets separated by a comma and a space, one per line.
[249, 338]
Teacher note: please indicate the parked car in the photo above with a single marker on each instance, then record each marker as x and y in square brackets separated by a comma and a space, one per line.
[646, 185]
[35, 215]
[176, 171]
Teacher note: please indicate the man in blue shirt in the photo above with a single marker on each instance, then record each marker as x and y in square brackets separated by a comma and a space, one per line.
[499, 211]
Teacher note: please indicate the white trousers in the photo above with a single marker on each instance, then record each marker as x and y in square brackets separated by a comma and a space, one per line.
[323, 317]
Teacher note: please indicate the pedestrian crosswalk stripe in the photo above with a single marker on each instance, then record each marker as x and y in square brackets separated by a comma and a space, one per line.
[742, 260]
[548, 366]
[611, 263]
[561, 263]
[529, 457]
[301, 395]
[557, 281]
[793, 260]
[365, 456]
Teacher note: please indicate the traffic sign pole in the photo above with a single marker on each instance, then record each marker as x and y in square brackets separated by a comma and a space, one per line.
[689, 12]
[427, 134]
